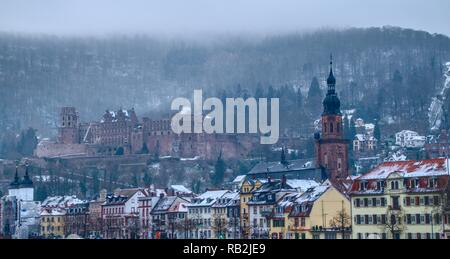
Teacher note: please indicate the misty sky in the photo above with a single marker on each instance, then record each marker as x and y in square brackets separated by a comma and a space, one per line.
[190, 17]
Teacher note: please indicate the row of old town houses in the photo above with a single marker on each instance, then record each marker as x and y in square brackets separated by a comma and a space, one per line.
[296, 199]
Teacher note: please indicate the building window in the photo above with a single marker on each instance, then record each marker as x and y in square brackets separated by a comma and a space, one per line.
[357, 202]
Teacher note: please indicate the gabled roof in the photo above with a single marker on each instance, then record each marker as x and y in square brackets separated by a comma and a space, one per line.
[180, 189]
[239, 178]
[61, 201]
[226, 200]
[121, 196]
[208, 198]
[291, 184]
[411, 168]
[169, 204]
[307, 200]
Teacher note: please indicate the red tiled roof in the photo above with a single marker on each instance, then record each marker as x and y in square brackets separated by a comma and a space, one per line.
[412, 168]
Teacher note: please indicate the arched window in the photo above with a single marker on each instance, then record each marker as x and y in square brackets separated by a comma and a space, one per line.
[331, 127]
[324, 127]
[338, 127]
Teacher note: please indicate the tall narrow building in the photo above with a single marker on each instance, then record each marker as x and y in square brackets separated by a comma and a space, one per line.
[331, 147]
[68, 127]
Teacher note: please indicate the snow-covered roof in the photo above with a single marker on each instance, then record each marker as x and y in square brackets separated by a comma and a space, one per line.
[61, 201]
[179, 207]
[369, 126]
[53, 212]
[164, 203]
[208, 198]
[432, 167]
[180, 189]
[227, 199]
[239, 178]
[301, 185]
[360, 137]
[312, 194]
[403, 132]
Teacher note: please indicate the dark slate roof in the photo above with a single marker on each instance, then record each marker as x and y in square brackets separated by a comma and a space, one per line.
[278, 167]
[15, 184]
[26, 182]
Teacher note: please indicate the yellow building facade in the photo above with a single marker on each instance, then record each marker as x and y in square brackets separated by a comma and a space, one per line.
[401, 200]
[52, 223]
[245, 195]
[322, 212]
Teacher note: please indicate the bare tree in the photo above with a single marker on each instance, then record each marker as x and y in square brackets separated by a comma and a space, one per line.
[219, 225]
[342, 221]
[393, 223]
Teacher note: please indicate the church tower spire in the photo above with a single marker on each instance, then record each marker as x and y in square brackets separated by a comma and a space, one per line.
[15, 184]
[331, 103]
[331, 147]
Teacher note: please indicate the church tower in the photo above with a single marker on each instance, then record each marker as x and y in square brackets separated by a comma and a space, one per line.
[22, 189]
[331, 147]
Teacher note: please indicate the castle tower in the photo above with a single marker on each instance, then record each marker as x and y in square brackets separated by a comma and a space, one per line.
[331, 147]
[68, 126]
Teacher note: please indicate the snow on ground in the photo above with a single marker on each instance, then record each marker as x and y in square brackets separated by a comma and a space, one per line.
[190, 158]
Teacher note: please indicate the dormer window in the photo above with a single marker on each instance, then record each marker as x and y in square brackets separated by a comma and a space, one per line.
[363, 186]
[394, 185]
[432, 182]
[303, 207]
[380, 185]
[415, 183]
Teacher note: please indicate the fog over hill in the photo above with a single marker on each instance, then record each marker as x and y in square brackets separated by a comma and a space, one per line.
[386, 73]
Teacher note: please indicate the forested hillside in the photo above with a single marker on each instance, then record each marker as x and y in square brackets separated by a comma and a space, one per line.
[390, 74]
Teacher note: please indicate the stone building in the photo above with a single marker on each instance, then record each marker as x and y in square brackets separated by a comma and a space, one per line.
[121, 132]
